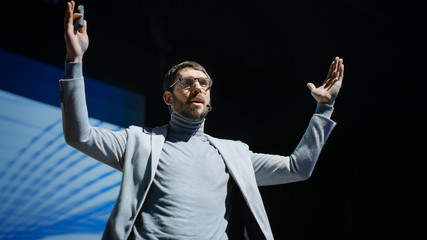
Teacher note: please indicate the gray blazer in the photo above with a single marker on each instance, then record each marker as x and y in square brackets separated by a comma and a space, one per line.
[136, 151]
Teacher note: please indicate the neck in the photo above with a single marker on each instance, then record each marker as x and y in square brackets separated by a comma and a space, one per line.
[181, 129]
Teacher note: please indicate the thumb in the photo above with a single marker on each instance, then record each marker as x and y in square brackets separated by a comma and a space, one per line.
[311, 86]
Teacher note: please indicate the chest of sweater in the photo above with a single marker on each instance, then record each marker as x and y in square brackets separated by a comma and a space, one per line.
[189, 195]
[192, 166]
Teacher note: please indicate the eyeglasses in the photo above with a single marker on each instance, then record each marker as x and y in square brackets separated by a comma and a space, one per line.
[186, 82]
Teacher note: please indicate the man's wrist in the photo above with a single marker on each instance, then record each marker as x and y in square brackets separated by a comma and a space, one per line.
[73, 58]
[324, 109]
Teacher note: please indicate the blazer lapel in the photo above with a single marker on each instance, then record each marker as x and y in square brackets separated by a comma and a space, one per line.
[158, 137]
[240, 169]
[230, 160]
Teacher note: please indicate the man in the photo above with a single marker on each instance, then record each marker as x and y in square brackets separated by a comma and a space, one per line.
[178, 182]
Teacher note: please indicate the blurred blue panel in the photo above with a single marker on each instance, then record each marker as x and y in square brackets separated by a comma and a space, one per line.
[39, 81]
[49, 190]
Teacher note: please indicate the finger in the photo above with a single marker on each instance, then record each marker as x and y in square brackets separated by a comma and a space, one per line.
[84, 28]
[68, 20]
[328, 82]
[332, 73]
[311, 86]
[330, 70]
[77, 15]
[341, 70]
[67, 13]
[333, 82]
[333, 69]
[336, 67]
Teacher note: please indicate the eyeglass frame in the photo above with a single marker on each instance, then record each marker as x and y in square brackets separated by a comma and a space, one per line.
[194, 81]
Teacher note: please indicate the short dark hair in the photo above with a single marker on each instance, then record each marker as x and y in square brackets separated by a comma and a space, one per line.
[171, 74]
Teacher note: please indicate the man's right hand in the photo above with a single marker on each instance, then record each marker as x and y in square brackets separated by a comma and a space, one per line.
[77, 41]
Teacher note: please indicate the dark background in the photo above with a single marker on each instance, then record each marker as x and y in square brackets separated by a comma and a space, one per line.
[369, 181]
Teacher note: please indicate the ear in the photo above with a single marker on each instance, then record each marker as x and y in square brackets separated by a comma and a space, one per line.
[167, 97]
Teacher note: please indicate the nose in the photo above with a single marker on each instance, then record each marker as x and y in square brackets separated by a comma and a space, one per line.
[196, 86]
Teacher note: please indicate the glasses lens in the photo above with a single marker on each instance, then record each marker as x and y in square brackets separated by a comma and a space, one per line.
[204, 82]
[187, 82]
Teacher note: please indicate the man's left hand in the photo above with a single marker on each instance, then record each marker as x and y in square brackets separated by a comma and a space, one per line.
[328, 91]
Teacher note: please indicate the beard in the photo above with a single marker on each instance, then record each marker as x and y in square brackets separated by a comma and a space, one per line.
[189, 111]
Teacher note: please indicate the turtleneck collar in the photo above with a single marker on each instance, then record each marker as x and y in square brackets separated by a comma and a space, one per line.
[181, 129]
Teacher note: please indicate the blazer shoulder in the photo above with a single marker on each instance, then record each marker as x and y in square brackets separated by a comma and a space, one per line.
[230, 142]
[160, 130]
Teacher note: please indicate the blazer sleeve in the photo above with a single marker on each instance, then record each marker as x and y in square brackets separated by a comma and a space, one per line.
[99, 143]
[275, 169]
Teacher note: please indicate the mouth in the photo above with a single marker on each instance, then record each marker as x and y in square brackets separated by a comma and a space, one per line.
[196, 101]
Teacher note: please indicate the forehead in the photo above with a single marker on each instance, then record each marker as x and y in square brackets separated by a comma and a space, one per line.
[190, 72]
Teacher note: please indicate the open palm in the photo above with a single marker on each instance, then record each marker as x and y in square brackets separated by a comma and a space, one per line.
[328, 91]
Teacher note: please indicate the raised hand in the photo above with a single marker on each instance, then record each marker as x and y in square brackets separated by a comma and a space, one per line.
[328, 91]
[77, 41]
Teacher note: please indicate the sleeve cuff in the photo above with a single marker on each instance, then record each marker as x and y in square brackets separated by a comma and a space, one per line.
[73, 70]
[325, 110]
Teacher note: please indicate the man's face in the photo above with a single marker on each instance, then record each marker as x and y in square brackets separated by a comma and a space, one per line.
[190, 103]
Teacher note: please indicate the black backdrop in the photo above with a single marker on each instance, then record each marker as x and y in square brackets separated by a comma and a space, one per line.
[369, 181]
